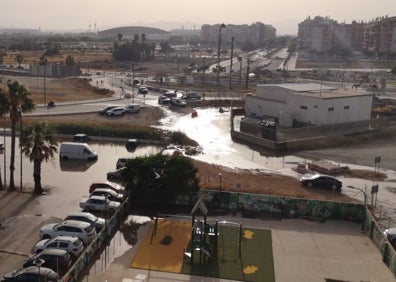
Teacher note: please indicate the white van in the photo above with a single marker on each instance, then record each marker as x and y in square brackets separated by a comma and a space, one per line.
[79, 151]
[132, 108]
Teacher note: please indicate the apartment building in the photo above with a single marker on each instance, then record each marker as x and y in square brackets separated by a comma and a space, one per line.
[324, 35]
[256, 33]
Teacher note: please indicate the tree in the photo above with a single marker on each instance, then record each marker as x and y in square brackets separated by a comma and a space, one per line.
[39, 144]
[69, 61]
[119, 36]
[160, 180]
[16, 101]
[19, 59]
[2, 55]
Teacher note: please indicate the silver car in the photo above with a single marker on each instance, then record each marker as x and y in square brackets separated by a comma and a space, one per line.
[99, 203]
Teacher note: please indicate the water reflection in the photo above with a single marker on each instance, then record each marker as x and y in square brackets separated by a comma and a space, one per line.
[75, 165]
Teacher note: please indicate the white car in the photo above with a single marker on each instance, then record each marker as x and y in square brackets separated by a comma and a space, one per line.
[72, 245]
[83, 230]
[99, 203]
[97, 222]
[111, 194]
[117, 111]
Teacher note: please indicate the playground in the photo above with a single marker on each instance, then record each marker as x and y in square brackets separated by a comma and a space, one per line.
[220, 249]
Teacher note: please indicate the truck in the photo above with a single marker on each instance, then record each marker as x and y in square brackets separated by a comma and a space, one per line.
[78, 151]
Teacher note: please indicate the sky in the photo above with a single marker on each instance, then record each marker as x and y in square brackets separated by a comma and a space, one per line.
[284, 15]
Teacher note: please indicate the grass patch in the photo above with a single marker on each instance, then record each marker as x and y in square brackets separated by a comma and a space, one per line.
[367, 174]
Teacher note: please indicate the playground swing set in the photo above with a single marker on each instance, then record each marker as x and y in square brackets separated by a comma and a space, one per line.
[204, 236]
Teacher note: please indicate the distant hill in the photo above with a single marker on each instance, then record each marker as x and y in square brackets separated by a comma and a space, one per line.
[130, 31]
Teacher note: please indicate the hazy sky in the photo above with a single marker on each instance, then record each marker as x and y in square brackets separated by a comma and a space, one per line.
[282, 14]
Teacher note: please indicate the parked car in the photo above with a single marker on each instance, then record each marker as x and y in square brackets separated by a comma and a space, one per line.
[117, 111]
[107, 184]
[97, 222]
[390, 233]
[132, 144]
[121, 162]
[115, 175]
[110, 194]
[178, 102]
[321, 181]
[163, 100]
[58, 260]
[105, 109]
[132, 108]
[99, 203]
[73, 245]
[31, 274]
[83, 230]
[192, 96]
[81, 138]
[143, 90]
[170, 94]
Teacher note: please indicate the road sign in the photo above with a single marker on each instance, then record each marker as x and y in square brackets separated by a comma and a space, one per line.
[374, 189]
[377, 160]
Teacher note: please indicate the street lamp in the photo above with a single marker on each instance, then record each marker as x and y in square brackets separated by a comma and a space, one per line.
[39, 262]
[20, 146]
[218, 53]
[365, 203]
[232, 55]
[220, 180]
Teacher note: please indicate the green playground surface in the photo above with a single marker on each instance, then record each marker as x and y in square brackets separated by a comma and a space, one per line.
[241, 254]
[236, 253]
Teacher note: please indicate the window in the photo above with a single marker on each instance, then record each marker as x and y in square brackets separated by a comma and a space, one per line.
[304, 107]
[346, 107]
[331, 109]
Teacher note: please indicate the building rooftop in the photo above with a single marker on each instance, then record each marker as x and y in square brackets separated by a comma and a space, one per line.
[320, 90]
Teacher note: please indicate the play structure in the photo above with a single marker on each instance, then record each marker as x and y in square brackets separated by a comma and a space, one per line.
[204, 236]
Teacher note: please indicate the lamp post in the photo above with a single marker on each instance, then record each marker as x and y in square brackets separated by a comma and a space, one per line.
[218, 53]
[20, 147]
[39, 262]
[232, 55]
[220, 180]
[133, 83]
[365, 203]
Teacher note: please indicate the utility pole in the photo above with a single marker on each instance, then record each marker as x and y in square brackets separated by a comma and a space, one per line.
[232, 55]
[247, 74]
[218, 54]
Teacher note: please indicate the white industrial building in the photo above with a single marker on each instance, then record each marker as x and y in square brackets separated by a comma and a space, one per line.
[310, 103]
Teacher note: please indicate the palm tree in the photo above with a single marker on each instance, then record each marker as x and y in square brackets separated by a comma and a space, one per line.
[18, 101]
[39, 144]
[19, 59]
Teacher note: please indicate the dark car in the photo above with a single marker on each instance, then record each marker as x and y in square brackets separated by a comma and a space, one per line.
[81, 138]
[142, 90]
[131, 144]
[116, 175]
[321, 181]
[32, 274]
[191, 96]
[105, 109]
[56, 259]
[390, 234]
